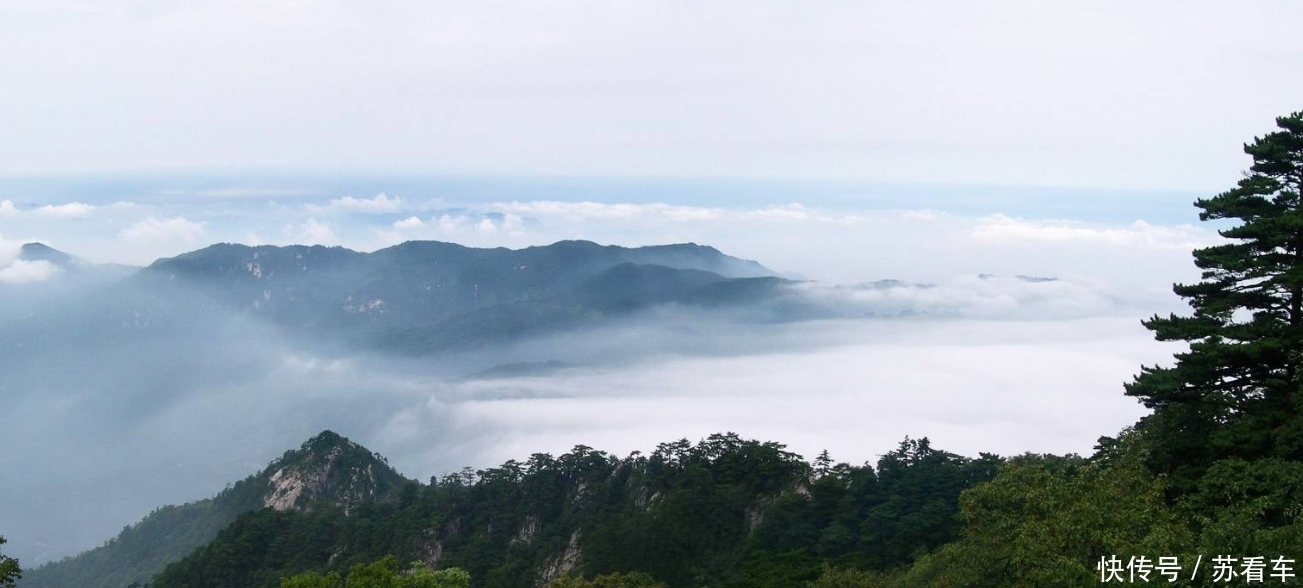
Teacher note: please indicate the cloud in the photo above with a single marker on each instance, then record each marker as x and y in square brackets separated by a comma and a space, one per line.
[348, 204]
[22, 272]
[153, 230]
[793, 211]
[70, 210]
[466, 228]
[839, 244]
[242, 394]
[972, 386]
[797, 212]
[236, 192]
[587, 210]
[659, 211]
[408, 223]
[920, 215]
[1001, 228]
[9, 250]
[977, 297]
[314, 232]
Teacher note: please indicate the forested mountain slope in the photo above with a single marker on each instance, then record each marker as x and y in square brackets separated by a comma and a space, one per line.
[327, 471]
[724, 512]
[419, 297]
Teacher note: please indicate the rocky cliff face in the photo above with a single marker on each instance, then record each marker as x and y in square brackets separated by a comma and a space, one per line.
[331, 469]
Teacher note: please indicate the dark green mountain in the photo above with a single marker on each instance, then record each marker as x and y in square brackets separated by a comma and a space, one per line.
[328, 471]
[724, 512]
[410, 299]
[425, 296]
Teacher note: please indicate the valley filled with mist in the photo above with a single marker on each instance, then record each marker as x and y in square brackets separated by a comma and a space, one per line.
[130, 387]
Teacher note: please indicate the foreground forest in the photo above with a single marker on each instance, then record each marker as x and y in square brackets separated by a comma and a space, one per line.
[1205, 490]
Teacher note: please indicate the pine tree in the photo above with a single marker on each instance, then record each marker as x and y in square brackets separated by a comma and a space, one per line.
[1235, 392]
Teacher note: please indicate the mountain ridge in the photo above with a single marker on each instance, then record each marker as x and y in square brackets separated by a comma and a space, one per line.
[422, 297]
[717, 512]
[327, 470]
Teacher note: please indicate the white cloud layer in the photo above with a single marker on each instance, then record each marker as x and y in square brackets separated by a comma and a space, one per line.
[21, 272]
[976, 297]
[1004, 387]
[1002, 228]
[70, 210]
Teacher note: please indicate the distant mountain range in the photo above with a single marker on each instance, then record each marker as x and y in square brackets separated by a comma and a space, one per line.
[415, 298]
[419, 298]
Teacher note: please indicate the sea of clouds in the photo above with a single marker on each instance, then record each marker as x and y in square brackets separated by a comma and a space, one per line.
[986, 332]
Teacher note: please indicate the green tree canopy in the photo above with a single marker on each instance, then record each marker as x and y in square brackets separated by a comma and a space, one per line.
[382, 573]
[10, 573]
[1235, 392]
[627, 580]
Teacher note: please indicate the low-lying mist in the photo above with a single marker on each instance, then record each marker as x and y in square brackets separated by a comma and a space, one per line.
[104, 424]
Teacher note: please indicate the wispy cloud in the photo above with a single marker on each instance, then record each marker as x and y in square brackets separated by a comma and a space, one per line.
[378, 204]
[69, 210]
[598, 211]
[153, 230]
[920, 215]
[584, 211]
[236, 192]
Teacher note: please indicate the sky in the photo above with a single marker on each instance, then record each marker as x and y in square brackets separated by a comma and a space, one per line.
[1110, 94]
[958, 145]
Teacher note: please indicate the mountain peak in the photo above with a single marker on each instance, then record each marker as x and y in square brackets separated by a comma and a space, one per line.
[42, 252]
[328, 468]
[328, 437]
